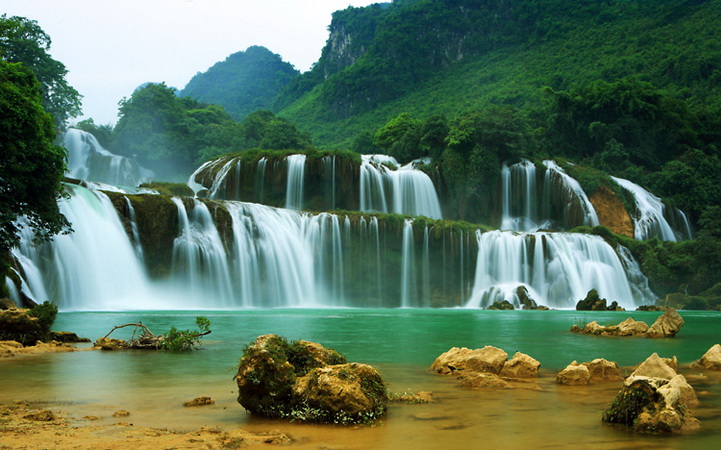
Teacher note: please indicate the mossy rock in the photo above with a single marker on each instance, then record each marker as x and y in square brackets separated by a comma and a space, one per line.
[304, 381]
[171, 189]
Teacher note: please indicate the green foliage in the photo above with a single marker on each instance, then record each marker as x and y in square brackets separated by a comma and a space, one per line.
[103, 133]
[23, 41]
[400, 138]
[243, 83]
[31, 166]
[46, 313]
[180, 341]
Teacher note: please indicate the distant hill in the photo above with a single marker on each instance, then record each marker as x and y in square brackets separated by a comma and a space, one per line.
[245, 82]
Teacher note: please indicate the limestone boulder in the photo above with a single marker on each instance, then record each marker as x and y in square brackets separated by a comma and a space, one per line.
[603, 370]
[652, 405]
[711, 360]
[458, 361]
[520, 366]
[630, 327]
[667, 325]
[574, 374]
[343, 393]
[483, 381]
[305, 381]
[654, 367]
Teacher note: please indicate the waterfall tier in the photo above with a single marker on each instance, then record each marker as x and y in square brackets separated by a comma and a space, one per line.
[225, 254]
[88, 160]
[652, 218]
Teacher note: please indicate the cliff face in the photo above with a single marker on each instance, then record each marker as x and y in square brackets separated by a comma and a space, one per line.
[611, 211]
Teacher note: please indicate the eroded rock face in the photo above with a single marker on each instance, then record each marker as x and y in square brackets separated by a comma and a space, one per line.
[628, 327]
[711, 360]
[574, 374]
[654, 367]
[457, 361]
[305, 381]
[520, 366]
[667, 325]
[611, 211]
[653, 405]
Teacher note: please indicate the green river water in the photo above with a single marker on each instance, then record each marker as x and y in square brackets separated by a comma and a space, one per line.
[402, 344]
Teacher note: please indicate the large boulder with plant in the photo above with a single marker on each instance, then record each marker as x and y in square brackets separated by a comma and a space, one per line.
[305, 381]
[653, 405]
[27, 326]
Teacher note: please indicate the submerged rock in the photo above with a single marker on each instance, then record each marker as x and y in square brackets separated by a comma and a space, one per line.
[503, 305]
[199, 401]
[461, 360]
[667, 325]
[711, 360]
[653, 405]
[483, 381]
[305, 381]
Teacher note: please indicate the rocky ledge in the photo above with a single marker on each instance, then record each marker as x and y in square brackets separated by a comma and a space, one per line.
[666, 325]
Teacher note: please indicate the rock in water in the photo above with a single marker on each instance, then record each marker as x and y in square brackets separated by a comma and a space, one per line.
[602, 370]
[457, 360]
[667, 325]
[305, 381]
[520, 366]
[574, 374]
[655, 367]
[653, 405]
[711, 360]
[343, 393]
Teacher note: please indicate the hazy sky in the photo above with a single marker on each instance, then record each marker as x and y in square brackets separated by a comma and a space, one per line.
[111, 47]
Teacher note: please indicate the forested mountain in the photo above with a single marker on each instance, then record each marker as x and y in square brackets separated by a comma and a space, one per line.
[431, 57]
[245, 82]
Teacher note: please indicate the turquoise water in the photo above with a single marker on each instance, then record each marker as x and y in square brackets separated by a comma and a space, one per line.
[401, 343]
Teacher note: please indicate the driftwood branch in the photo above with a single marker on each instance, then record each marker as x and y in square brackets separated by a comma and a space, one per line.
[136, 325]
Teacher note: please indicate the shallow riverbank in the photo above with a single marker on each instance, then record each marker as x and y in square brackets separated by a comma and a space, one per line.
[402, 344]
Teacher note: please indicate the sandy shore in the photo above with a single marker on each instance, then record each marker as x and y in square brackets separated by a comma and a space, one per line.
[25, 425]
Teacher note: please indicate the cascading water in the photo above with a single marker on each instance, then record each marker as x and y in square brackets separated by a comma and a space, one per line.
[519, 197]
[650, 216]
[556, 176]
[405, 190]
[88, 160]
[294, 190]
[235, 255]
[557, 269]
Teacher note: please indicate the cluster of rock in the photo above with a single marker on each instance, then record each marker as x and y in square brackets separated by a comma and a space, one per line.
[524, 300]
[597, 370]
[593, 302]
[666, 325]
[487, 367]
[654, 398]
[305, 381]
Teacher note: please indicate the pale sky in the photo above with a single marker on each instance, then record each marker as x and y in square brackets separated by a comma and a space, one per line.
[112, 47]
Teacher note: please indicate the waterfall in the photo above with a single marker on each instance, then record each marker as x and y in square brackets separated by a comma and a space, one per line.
[574, 192]
[134, 229]
[408, 273]
[294, 190]
[650, 216]
[241, 255]
[95, 267]
[558, 269]
[199, 257]
[385, 187]
[518, 197]
[88, 160]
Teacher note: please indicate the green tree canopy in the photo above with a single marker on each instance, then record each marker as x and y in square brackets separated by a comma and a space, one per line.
[31, 166]
[23, 41]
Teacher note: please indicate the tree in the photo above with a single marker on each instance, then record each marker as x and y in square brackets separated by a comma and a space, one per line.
[400, 138]
[31, 166]
[23, 41]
